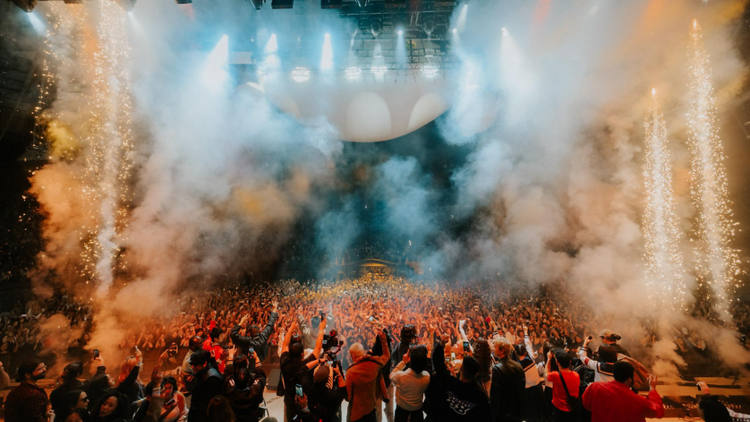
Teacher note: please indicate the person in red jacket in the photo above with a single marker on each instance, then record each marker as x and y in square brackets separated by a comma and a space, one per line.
[614, 401]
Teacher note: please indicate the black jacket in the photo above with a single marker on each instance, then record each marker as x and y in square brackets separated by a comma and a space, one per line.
[259, 342]
[207, 386]
[246, 400]
[506, 392]
[57, 396]
[325, 404]
[451, 400]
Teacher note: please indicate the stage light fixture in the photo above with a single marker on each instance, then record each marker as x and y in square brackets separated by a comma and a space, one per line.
[400, 32]
[362, 3]
[184, 1]
[257, 3]
[25, 5]
[73, 1]
[376, 26]
[282, 4]
[428, 24]
[330, 4]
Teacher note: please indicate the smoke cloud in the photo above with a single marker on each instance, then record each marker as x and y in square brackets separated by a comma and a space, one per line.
[551, 191]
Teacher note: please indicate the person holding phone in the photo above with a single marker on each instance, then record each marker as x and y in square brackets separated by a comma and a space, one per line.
[712, 410]
[411, 382]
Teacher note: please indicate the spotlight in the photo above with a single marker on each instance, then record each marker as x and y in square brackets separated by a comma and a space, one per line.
[282, 4]
[25, 5]
[400, 32]
[376, 26]
[257, 3]
[454, 30]
[428, 24]
[362, 3]
[330, 4]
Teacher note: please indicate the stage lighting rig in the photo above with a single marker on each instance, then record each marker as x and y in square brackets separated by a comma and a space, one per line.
[257, 3]
[282, 4]
[362, 3]
[25, 5]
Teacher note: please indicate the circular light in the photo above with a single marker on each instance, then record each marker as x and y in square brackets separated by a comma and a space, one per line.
[300, 74]
[400, 32]
[455, 31]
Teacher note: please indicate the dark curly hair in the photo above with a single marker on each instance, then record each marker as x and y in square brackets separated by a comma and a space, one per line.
[483, 355]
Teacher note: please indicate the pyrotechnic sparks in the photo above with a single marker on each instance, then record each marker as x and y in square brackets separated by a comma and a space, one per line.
[101, 57]
[664, 275]
[717, 262]
[113, 113]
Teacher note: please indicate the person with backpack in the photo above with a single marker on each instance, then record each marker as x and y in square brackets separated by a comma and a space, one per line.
[565, 400]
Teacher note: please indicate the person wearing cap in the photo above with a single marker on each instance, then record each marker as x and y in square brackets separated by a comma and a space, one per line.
[28, 402]
[609, 337]
[324, 401]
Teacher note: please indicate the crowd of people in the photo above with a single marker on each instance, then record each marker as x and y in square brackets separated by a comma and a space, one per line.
[390, 348]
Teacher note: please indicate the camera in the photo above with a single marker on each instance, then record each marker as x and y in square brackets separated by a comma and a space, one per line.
[330, 340]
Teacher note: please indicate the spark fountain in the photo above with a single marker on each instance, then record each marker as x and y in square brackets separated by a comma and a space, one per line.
[664, 263]
[717, 263]
[102, 57]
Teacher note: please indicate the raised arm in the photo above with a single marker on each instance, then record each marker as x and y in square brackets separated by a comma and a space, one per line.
[288, 337]
[386, 356]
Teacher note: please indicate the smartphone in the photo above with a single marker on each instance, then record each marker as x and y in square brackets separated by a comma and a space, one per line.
[96, 353]
[466, 346]
[170, 402]
[299, 392]
[250, 351]
[699, 387]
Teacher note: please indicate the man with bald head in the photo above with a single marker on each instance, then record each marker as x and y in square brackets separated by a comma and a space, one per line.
[364, 381]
